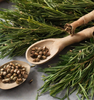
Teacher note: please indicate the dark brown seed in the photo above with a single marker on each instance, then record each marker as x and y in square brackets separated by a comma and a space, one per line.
[12, 71]
[11, 77]
[16, 64]
[36, 48]
[8, 70]
[44, 53]
[33, 49]
[11, 64]
[32, 52]
[19, 79]
[0, 77]
[31, 55]
[12, 67]
[2, 69]
[47, 50]
[23, 69]
[15, 71]
[14, 74]
[19, 75]
[7, 80]
[37, 60]
[4, 73]
[16, 67]
[17, 82]
[3, 81]
[4, 66]
[14, 79]
[9, 67]
[34, 60]
[43, 57]
[18, 72]
[48, 53]
[44, 47]
[19, 65]
[1, 73]
[39, 56]
[40, 53]
[37, 51]
[25, 76]
[31, 81]
[39, 48]
[8, 75]
[23, 72]
[36, 54]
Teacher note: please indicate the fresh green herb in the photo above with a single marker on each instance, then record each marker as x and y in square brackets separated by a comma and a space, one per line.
[34, 20]
[73, 72]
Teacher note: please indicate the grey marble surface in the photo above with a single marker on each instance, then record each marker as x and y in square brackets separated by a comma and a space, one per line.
[27, 91]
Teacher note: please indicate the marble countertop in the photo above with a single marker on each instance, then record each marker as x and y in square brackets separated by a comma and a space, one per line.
[27, 91]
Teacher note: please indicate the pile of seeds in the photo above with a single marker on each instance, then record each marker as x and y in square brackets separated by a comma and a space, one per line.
[13, 72]
[39, 53]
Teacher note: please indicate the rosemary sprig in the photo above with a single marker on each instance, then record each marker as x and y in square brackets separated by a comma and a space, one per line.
[34, 20]
[73, 72]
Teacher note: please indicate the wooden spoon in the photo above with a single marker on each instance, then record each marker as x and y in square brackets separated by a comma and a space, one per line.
[56, 45]
[12, 85]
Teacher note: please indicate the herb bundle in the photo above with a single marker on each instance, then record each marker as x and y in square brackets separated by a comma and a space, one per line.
[34, 20]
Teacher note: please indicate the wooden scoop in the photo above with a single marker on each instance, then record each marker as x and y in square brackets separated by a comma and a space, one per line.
[56, 45]
[12, 85]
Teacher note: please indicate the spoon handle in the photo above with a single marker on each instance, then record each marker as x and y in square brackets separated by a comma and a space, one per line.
[68, 40]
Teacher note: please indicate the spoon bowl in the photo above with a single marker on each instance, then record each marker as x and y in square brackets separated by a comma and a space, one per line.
[6, 86]
[49, 43]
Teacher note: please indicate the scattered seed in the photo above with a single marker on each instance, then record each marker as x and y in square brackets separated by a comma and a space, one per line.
[31, 81]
